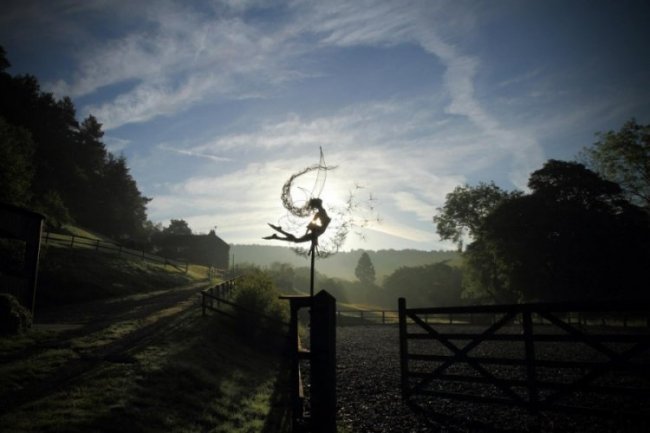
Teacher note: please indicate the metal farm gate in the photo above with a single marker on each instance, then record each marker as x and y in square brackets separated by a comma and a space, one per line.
[575, 358]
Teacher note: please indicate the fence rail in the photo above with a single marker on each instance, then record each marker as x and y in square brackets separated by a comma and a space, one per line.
[72, 241]
[530, 356]
[488, 314]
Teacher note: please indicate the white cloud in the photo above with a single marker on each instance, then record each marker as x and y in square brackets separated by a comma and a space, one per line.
[184, 58]
[409, 152]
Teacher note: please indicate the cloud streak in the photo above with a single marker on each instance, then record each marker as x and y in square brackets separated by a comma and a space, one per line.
[183, 58]
[408, 150]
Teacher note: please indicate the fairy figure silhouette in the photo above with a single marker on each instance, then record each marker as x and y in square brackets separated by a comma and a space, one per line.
[315, 228]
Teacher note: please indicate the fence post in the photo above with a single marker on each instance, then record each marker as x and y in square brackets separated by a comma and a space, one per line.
[297, 398]
[403, 347]
[71, 241]
[531, 378]
[323, 363]
[203, 303]
[383, 317]
[97, 245]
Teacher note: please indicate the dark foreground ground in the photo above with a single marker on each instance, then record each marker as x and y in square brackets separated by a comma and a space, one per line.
[369, 397]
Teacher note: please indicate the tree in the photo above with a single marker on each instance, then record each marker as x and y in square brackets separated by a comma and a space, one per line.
[574, 237]
[67, 174]
[437, 284]
[365, 271]
[624, 157]
[177, 227]
[465, 208]
[124, 207]
[282, 275]
[16, 169]
[463, 215]
[4, 62]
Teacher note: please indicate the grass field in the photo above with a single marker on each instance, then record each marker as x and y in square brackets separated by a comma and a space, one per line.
[69, 275]
[201, 374]
[147, 367]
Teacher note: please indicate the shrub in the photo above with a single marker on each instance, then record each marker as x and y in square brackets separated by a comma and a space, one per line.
[14, 318]
[256, 293]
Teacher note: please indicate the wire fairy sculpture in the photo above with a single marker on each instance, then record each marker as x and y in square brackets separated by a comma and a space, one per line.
[343, 221]
[320, 219]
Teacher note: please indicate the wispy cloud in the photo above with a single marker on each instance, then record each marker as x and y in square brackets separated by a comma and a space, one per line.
[183, 58]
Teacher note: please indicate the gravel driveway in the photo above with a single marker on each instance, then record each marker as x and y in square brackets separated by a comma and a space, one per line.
[368, 381]
[369, 399]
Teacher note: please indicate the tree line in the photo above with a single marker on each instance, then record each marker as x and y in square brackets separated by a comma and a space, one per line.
[436, 284]
[54, 164]
[582, 231]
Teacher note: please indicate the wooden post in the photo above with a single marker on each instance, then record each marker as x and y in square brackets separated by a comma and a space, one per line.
[383, 317]
[403, 347]
[323, 363]
[312, 270]
[72, 241]
[297, 409]
[531, 378]
[203, 303]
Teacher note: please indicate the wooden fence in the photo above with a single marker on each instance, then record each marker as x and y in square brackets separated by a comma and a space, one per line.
[322, 363]
[72, 241]
[321, 355]
[565, 367]
[221, 293]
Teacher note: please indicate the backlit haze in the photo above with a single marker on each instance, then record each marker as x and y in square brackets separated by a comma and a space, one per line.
[215, 104]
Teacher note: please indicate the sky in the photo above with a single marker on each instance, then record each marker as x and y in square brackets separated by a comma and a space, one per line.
[215, 104]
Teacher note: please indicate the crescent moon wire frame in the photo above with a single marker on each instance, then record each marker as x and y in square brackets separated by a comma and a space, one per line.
[287, 198]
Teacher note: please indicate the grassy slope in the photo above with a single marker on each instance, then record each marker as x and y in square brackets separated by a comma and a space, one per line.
[202, 376]
[77, 274]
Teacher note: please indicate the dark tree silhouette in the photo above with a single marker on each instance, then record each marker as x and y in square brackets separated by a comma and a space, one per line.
[465, 208]
[437, 284]
[574, 237]
[66, 172]
[177, 228]
[16, 169]
[624, 157]
[365, 271]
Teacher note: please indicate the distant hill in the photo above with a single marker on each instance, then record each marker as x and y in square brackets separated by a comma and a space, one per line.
[342, 264]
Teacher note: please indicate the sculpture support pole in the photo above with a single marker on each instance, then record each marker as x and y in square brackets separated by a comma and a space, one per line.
[312, 251]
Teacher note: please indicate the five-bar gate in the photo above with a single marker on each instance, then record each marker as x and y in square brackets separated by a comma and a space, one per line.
[530, 356]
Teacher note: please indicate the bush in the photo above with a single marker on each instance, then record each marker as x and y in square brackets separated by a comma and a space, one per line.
[14, 318]
[266, 312]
